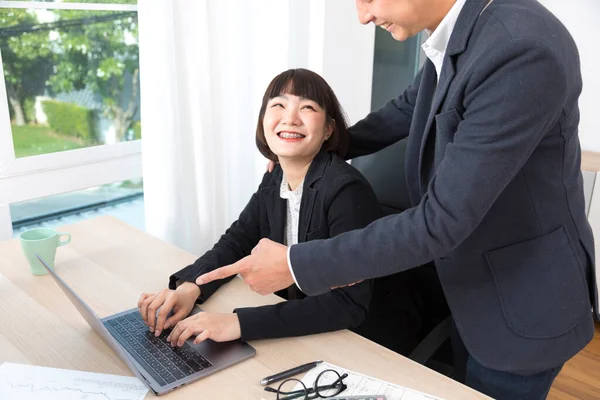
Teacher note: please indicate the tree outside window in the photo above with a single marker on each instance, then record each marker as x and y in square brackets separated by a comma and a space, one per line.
[72, 77]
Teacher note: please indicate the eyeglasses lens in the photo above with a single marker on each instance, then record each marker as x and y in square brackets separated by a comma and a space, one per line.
[291, 389]
[328, 383]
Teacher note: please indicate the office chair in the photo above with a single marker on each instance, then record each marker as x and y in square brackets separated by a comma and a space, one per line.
[415, 296]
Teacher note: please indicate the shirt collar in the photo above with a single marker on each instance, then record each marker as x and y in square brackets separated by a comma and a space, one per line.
[435, 46]
[286, 193]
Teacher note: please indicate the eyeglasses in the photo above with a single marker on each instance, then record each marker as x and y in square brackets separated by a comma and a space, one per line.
[329, 383]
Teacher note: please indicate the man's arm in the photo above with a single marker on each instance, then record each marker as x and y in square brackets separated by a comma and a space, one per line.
[517, 96]
[350, 204]
[385, 126]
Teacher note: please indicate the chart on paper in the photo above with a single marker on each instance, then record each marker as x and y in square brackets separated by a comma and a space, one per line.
[27, 382]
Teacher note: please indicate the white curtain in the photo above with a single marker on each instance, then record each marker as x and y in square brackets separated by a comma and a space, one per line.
[204, 66]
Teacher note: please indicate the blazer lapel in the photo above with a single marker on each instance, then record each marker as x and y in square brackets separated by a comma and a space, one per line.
[306, 210]
[456, 46]
[276, 212]
[315, 172]
[426, 98]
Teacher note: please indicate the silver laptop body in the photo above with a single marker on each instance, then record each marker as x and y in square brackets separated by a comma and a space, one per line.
[145, 355]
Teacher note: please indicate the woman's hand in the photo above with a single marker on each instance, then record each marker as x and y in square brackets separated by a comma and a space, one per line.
[181, 301]
[207, 325]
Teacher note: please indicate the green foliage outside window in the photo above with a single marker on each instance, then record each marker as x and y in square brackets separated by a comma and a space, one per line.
[93, 1]
[29, 109]
[73, 50]
[23, 57]
[137, 130]
[70, 119]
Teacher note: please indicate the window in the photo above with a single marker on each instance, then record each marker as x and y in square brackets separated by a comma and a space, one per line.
[71, 76]
[86, 1]
[395, 65]
[69, 98]
[123, 200]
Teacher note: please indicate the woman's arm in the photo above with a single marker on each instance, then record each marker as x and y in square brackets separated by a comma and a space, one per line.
[338, 309]
[237, 242]
[351, 205]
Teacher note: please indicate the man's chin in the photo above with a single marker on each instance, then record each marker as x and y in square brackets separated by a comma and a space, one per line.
[400, 34]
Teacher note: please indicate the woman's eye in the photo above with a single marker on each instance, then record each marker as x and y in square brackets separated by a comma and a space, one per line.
[309, 107]
[276, 105]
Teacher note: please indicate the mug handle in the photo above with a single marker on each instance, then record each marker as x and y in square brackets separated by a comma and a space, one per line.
[61, 242]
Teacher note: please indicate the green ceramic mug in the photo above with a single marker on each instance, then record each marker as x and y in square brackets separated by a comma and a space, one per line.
[43, 241]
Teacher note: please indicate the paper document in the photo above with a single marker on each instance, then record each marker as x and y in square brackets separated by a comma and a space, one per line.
[359, 384]
[28, 382]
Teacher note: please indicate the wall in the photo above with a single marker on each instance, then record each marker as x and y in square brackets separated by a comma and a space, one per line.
[581, 17]
[329, 40]
[348, 49]
[342, 51]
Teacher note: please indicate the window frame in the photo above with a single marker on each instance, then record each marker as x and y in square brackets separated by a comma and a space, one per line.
[43, 175]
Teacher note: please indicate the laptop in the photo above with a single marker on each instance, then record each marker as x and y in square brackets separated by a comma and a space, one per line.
[152, 359]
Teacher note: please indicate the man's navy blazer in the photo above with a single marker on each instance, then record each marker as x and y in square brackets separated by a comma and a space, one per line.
[493, 170]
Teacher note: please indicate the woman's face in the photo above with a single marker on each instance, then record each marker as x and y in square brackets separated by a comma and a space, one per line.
[295, 127]
[403, 18]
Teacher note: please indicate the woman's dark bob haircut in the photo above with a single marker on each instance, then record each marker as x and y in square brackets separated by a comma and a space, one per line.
[304, 83]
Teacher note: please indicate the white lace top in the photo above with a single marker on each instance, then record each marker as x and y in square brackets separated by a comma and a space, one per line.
[294, 198]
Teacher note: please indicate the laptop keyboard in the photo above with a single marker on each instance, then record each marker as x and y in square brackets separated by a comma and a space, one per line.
[166, 364]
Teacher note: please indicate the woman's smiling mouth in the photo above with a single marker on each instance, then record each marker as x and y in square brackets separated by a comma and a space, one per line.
[290, 135]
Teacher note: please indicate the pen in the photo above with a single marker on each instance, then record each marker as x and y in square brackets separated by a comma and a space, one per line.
[290, 372]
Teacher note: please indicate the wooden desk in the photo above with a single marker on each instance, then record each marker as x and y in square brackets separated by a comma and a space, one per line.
[590, 161]
[110, 264]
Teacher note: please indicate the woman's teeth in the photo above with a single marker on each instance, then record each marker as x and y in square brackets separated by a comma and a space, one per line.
[286, 135]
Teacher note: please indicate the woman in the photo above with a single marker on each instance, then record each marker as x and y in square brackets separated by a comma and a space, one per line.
[312, 194]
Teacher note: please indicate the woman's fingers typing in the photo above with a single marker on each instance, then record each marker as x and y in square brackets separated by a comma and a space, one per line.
[156, 307]
[153, 308]
[175, 318]
[180, 312]
[164, 310]
[182, 331]
[143, 303]
[206, 325]
[202, 337]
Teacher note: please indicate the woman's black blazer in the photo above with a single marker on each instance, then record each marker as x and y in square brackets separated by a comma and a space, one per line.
[336, 198]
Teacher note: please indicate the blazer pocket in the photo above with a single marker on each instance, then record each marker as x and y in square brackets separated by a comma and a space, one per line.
[541, 288]
[446, 125]
[314, 234]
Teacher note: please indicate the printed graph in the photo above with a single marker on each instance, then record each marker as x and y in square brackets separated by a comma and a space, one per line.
[25, 382]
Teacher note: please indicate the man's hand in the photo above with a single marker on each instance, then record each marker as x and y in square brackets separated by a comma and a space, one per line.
[265, 270]
[181, 301]
[206, 325]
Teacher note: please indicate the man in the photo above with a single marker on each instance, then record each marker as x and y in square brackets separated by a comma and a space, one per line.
[493, 171]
